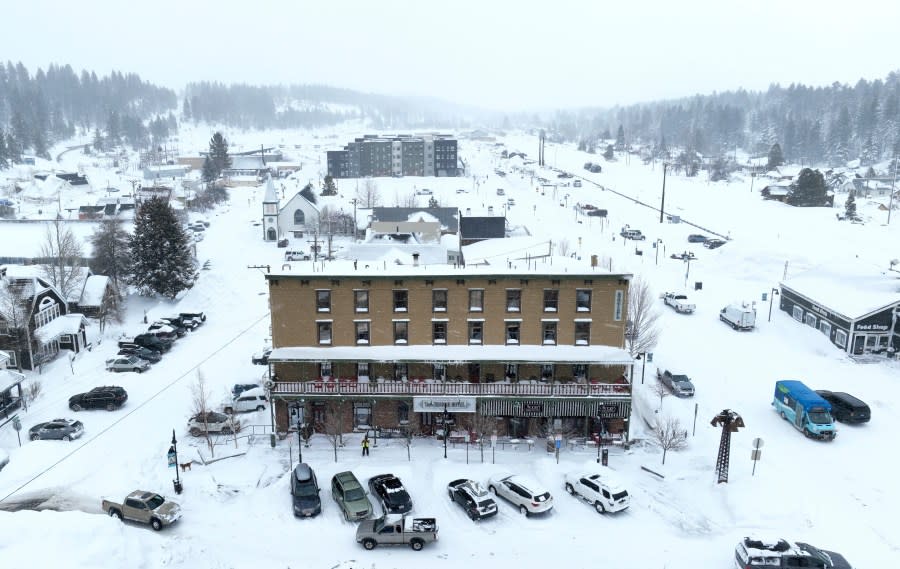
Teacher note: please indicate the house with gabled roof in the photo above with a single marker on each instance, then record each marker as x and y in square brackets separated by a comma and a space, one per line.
[35, 319]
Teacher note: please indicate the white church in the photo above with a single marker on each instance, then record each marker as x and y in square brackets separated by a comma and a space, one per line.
[296, 218]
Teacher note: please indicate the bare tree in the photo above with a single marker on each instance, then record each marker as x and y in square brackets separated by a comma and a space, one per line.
[406, 200]
[483, 426]
[660, 390]
[368, 194]
[62, 255]
[642, 328]
[200, 394]
[334, 426]
[563, 247]
[669, 435]
[111, 308]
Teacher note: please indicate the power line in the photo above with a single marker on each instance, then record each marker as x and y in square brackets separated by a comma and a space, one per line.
[139, 407]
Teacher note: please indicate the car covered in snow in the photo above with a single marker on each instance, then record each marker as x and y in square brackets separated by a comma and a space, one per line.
[127, 363]
[388, 489]
[472, 498]
[213, 422]
[754, 552]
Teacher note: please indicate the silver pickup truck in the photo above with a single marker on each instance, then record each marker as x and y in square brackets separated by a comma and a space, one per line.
[393, 529]
[144, 507]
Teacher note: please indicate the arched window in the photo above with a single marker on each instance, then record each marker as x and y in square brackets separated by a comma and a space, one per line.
[299, 217]
[270, 234]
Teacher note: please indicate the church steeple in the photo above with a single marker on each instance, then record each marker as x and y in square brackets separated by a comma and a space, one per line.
[270, 212]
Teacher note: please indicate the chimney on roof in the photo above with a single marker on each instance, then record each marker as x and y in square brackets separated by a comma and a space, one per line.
[415, 259]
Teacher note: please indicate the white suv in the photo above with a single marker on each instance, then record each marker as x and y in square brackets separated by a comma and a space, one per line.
[213, 423]
[601, 489]
[249, 400]
[529, 496]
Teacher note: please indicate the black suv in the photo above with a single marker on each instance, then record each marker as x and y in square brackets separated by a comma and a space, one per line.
[148, 341]
[305, 491]
[109, 397]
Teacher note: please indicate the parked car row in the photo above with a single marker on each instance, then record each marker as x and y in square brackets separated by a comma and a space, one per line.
[138, 352]
[600, 488]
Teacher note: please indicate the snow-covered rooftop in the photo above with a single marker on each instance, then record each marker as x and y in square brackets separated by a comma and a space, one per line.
[65, 324]
[547, 266]
[94, 288]
[850, 290]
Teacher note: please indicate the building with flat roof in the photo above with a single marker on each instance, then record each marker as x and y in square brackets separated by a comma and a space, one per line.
[395, 155]
[532, 347]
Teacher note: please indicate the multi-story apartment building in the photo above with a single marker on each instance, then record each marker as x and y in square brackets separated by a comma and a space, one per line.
[535, 349]
[400, 155]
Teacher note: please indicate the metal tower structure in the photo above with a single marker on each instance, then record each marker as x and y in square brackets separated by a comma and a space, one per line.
[730, 422]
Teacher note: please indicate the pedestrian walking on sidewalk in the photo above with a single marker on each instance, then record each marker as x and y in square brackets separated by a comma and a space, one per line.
[365, 446]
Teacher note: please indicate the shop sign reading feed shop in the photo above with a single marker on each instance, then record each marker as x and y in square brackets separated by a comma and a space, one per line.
[436, 404]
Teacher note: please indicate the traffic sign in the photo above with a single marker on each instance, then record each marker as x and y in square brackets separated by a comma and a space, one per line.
[758, 443]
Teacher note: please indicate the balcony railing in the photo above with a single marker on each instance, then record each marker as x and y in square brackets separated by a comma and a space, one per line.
[521, 389]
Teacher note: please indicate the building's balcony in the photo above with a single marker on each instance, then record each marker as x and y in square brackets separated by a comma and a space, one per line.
[353, 388]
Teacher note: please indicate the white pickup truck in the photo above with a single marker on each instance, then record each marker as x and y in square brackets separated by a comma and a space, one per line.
[679, 302]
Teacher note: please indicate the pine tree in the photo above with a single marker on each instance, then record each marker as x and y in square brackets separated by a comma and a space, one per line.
[609, 153]
[98, 140]
[113, 128]
[4, 152]
[776, 158]
[308, 192]
[620, 138]
[809, 189]
[13, 149]
[209, 171]
[111, 251]
[186, 110]
[330, 188]
[850, 206]
[161, 258]
[218, 154]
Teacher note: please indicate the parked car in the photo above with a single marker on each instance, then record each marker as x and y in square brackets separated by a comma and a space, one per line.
[461, 191]
[109, 397]
[249, 400]
[632, 234]
[501, 192]
[198, 317]
[527, 495]
[679, 302]
[239, 388]
[697, 238]
[305, 492]
[388, 490]
[678, 383]
[597, 213]
[600, 488]
[127, 363]
[713, 243]
[472, 498]
[183, 321]
[144, 507]
[261, 358]
[576, 183]
[164, 332]
[296, 255]
[350, 496]
[393, 529]
[846, 408]
[510, 202]
[213, 422]
[147, 354]
[739, 316]
[56, 429]
[147, 341]
[424, 192]
[751, 553]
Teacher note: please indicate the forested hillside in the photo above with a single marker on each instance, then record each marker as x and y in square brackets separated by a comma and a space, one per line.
[815, 125]
[36, 110]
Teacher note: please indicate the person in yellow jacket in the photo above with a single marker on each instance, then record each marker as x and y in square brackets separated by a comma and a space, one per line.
[365, 446]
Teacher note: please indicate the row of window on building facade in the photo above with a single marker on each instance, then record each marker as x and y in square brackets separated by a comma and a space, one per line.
[475, 332]
[440, 301]
[400, 371]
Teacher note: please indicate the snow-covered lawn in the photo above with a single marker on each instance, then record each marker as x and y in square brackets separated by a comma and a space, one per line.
[237, 511]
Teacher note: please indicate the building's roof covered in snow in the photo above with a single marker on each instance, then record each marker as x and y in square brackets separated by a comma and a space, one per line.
[447, 216]
[94, 289]
[270, 195]
[396, 253]
[65, 324]
[850, 290]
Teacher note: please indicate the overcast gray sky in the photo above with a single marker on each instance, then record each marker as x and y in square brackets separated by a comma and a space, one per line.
[499, 54]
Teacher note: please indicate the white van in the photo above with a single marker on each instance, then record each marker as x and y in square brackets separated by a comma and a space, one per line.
[296, 255]
[250, 400]
[739, 316]
[632, 234]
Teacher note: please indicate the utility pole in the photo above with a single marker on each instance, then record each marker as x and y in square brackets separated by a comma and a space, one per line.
[893, 180]
[663, 202]
[315, 245]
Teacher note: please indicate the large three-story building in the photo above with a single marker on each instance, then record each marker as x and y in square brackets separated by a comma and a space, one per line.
[535, 347]
[400, 155]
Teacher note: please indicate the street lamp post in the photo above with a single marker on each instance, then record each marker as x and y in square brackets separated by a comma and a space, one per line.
[374, 428]
[658, 243]
[174, 450]
[774, 292]
[662, 203]
[687, 272]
